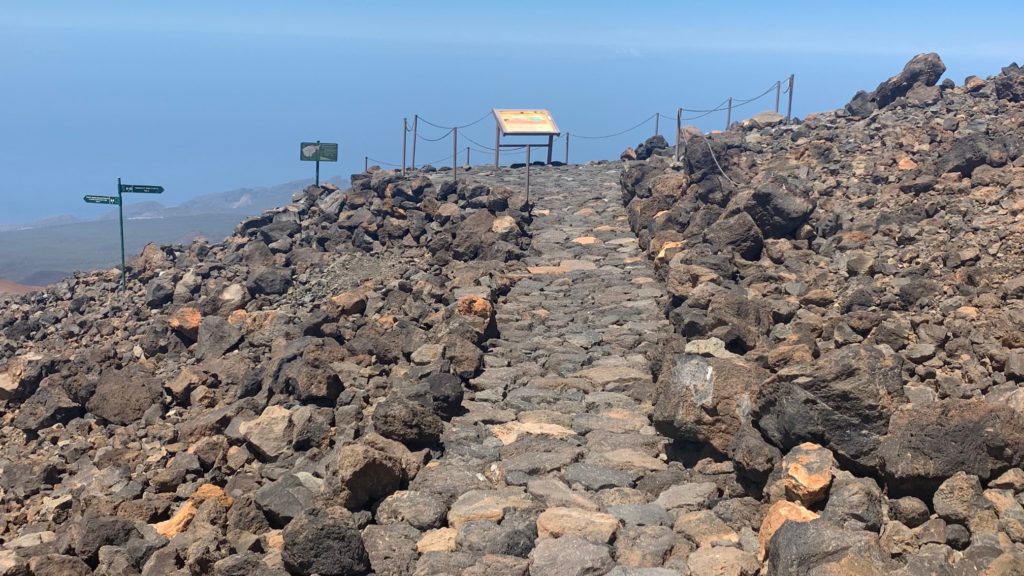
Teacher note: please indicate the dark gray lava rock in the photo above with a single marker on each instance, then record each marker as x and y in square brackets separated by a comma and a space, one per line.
[1009, 84]
[776, 212]
[48, 406]
[324, 542]
[408, 422]
[122, 396]
[927, 444]
[819, 547]
[216, 337]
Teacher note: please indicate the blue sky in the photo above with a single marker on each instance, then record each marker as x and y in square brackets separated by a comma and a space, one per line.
[206, 96]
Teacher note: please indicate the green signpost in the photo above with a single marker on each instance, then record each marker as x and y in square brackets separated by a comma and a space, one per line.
[119, 201]
[318, 152]
[102, 200]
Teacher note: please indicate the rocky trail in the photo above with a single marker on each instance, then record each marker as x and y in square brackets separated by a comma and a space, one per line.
[558, 421]
[795, 350]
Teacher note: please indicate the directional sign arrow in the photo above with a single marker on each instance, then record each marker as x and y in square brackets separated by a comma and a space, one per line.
[102, 199]
[140, 189]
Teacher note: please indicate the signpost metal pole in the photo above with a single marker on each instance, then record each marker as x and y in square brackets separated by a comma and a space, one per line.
[405, 132]
[566, 148]
[789, 107]
[318, 163]
[728, 114]
[455, 154]
[657, 122]
[366, 163]
[679, 130]
[415, 131]
[778, 94]
[467, 155]
[120, 220]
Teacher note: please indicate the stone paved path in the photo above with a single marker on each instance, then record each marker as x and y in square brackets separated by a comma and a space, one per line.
[555, 468]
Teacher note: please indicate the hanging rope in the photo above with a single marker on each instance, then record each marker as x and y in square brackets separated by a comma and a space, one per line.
[463, 137]
[709, 110]
[383, 163]
[473, 123]
[713, 157]
[630, 129]
[438, 139]
[445, 159]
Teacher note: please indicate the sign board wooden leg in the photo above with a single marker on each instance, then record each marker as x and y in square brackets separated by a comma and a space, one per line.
[528, 149]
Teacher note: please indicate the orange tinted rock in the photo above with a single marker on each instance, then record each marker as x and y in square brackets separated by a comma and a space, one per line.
[512, 431]
[178, 523]
[906, 163]
[475, 306]
[780, 513]
[348, 303]
[439, 540]
[807, 473]
[211, 492]
[593, 526]
[186, 322]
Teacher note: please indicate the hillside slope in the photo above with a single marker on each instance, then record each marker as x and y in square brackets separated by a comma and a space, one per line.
[869, 263]
[796, 350]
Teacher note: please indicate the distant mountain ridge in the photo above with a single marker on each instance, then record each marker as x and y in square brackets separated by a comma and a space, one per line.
[240, 201]
[47, 250]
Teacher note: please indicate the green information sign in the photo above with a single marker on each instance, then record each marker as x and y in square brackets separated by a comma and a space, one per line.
[102, 199]
[139, 189]
[318, 151]
[118, 201]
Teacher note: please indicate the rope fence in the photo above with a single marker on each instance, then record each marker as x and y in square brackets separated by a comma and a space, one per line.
[728, 105]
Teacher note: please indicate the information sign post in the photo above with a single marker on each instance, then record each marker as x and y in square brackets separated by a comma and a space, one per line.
[523, 123]
[318, 152]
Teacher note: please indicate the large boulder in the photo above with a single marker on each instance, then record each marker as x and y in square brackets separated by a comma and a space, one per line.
[1009, 84]
[842, 401]
[216, 336]
[123, 396]
[269, 280]
[928, 443]
[651, 146]
[706, 400]
[473, 235]
[923, 70]
[408, 422]
[48, 406]
[270, 433]
[363, 474]
[324, 542]
[739, 234]
[303, 368]
[973, 151]
[22, 375]
[818, 547]
[777, 212]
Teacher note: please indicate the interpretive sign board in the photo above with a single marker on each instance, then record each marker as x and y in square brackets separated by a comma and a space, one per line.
[526, 123]
[536, 122]
[318, 152]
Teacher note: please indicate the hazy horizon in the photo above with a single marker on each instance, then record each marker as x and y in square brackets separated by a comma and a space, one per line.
[201, 99]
